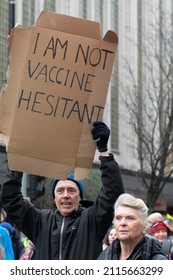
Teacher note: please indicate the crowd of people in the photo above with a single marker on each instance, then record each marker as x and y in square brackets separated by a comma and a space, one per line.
[12, 244]
[115, 227]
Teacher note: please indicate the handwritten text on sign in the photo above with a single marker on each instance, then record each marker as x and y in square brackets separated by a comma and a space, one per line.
[57, 51]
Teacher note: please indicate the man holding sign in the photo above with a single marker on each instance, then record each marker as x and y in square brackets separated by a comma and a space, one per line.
[71, 232]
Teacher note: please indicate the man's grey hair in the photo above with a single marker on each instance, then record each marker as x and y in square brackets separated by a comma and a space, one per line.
[156, 216]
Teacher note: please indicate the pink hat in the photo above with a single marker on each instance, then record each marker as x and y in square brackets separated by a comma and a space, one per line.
[159, 225]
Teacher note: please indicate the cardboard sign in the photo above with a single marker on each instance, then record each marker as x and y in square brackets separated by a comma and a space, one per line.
[58, 80]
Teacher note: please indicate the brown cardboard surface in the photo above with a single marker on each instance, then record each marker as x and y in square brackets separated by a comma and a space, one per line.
[58, 78]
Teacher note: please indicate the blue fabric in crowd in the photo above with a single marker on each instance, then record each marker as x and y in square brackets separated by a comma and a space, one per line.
[6, 242]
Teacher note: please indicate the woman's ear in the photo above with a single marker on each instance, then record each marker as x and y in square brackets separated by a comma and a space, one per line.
[144, 229]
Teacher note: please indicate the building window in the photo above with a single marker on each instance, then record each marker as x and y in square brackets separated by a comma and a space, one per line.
[49, 5]
[114, 86]
[83, 9]
[4, 31]
[28, 12]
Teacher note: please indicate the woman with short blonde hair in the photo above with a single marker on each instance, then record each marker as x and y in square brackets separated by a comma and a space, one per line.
[130, 220]
[131, 201]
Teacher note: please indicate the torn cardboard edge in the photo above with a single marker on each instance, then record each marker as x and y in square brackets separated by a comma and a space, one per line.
[86, 151]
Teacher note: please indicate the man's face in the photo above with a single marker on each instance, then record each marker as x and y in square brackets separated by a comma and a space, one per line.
[67, 197]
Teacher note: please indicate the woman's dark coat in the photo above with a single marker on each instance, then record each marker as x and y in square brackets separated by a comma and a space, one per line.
[147, 249]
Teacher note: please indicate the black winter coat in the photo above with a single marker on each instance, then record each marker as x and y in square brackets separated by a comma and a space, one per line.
[76, 237]
[147, 249]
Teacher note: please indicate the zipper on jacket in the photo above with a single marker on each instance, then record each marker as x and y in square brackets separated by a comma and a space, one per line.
[60, 243]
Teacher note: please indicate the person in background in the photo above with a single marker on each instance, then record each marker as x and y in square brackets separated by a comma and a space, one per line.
[71, 232]
[6, 243]
[169, 223]
[6, 248]
[2, 254]
[8, 227]
[130, 220]
[161, 232]
[109, 237]
[3, 214]
[153, 217]
[18, 246]
[29, 251]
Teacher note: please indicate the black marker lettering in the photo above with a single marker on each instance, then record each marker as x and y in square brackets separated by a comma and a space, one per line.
[26, 99]
[36, 101]
[52, 46]
[36, 42]
[30, 72]
[85, 55]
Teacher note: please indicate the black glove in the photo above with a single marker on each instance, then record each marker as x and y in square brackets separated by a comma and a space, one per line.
[101, 135]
